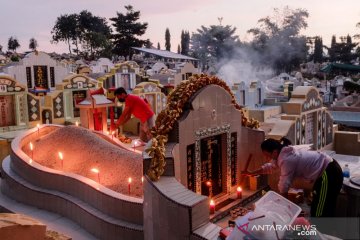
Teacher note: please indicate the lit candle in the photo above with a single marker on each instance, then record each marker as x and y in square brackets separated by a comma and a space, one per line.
[61, 159]
[129, 181]
[142, 180]
[135, 144]
[32, 150]
[212, 206]
[38, 128]
[239, 192]
[95, 170]
[77, 123]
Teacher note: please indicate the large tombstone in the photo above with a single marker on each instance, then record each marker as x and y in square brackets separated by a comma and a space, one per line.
[38, 69]
[102, 65]
[13, 110]
[73, 88]
[207, 142]
[251, 95]
[311, 122]
[125, 76]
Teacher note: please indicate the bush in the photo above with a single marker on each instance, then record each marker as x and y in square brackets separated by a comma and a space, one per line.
[15, 58]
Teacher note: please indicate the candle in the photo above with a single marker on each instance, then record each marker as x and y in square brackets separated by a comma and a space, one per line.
[112, 135]
[61, 159]
[38, 128]
[31, 149]
[95, 170]
[77, 123]
[212, 206]
[129, 181]
[135, 144]
[239, 192]
[142, 180]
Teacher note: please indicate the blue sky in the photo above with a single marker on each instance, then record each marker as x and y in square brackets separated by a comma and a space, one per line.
[35, 18]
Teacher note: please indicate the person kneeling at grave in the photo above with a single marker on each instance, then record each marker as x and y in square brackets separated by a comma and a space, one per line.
[316, 168]
[136, 106]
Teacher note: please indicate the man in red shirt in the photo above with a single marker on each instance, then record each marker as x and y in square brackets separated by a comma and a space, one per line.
[136, 106]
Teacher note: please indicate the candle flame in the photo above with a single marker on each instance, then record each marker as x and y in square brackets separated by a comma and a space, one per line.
[77, 123]
[142, 179]
[31, 146]
[95, 170]
[61, 156]
[107, 132]
[38, 125]
[113, 132]
[208, 183]
[212, 203]
[239, 189]
[129, 180]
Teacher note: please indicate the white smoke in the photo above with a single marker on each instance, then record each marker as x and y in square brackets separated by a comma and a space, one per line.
[242, 67]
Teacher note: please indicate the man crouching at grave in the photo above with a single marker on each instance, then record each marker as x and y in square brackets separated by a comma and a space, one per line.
[136, 106]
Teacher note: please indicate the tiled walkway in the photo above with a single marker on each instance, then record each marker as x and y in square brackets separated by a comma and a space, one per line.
[53, 221]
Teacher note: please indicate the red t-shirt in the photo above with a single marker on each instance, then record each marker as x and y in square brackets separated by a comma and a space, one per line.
[138, 107]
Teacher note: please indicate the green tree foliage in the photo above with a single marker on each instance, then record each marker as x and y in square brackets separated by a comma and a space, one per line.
[88, 33]
[357, 36]
[13, 44]
[149, 44]
[94, 34]
[342, 51]
[210, 44]
[332, 50]
[185, 42]
[318, 50]
[33, 44]
[1, 47]
[158, 46]
[278, 39]
[167, 39]
[65, 30]
[178, 49]
[126, 31]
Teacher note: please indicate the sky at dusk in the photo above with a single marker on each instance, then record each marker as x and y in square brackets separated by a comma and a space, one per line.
[35, 18]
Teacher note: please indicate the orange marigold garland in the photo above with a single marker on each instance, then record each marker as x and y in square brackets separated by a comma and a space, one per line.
[174, 108]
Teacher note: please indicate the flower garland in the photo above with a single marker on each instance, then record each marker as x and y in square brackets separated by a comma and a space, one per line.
[175, 105]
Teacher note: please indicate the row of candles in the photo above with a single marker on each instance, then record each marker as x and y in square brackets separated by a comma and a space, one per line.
[94, 170]
[212, 202]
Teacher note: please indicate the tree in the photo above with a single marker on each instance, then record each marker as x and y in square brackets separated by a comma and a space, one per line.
[318, 50]
[94, 34]
[158, 46]
[185, 42]
[278, 39]
[13, 44]
[33, 44]
[357, 36]
[1, 47]
[149, 44]
[167, 39]
[178, 49]
[347, 46]
[332, 50]
[342, 51]
[65, 30]
[126, 30]
[210, 44]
